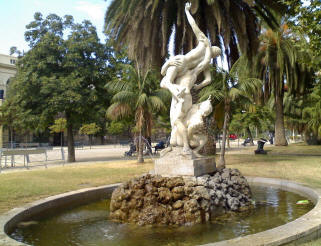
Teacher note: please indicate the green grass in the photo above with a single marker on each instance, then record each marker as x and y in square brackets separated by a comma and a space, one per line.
[295, 149]
[303, 169]
[19, 188]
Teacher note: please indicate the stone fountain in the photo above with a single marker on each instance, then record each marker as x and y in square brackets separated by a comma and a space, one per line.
[185, 187]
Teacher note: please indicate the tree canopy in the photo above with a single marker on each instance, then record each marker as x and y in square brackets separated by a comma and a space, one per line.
[146, 26]
[63, 74]
[137, 94]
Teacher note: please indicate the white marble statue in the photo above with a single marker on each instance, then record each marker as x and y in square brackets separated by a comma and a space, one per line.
[180, 74]
[194, 122]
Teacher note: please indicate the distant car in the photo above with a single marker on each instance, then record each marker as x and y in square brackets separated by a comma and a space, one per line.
[232, 137]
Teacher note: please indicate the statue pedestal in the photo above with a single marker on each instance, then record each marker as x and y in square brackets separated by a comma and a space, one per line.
[174, 163]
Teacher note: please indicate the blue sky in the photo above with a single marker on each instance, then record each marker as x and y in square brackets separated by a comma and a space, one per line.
[16, 14]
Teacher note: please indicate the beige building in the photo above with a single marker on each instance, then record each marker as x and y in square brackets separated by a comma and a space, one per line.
[7, 70]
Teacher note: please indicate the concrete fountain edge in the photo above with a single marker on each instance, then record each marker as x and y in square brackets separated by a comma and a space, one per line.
[304, 228]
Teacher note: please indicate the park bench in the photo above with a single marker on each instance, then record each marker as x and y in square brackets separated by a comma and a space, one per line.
[24, 152]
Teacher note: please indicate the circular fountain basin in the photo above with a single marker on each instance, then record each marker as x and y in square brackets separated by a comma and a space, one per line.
[302, 228]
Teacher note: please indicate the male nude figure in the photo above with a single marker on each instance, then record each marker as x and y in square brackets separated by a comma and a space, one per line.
[178, 65]
[182, 103]
[180, 76]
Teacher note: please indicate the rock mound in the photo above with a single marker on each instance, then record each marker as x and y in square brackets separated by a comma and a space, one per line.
[153, 199]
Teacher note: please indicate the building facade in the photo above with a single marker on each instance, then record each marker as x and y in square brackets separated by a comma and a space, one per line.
[7, 70]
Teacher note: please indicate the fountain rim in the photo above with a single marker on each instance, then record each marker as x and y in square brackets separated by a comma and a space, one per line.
[304, 228]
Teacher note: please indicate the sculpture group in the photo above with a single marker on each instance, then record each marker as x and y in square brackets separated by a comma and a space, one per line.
[180, 74]
[184, 188]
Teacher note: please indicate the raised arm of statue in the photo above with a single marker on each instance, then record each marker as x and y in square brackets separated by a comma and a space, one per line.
[198, 33]
[206, 81]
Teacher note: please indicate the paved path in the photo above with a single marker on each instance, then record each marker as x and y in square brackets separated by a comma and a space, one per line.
[84, 156]
[99, 153]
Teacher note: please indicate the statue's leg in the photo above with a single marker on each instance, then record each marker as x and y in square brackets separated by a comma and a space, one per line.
[202, 139]
[173, 140]
[168, 82]
[169, 77]
[182, 131]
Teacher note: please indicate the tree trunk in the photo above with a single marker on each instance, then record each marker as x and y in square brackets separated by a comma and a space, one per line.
[11, 138]
[71, 144]
[61, 139]
[228, 139]
[280, 139]
[140, 158]
[210, 146]
[249, 134]
[221, 164]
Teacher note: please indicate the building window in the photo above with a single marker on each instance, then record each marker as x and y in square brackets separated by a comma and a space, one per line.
[12, 61]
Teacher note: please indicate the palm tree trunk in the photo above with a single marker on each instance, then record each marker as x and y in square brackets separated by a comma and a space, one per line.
[221, 164]
[280, 139]
[140, 158]
[228, 139]
[210, 146]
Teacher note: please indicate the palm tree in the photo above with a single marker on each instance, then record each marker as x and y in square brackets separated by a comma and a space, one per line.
[233, 85]
[137, 95]
[312, 114]
[293, 113]
[279, 64]
[146, 26]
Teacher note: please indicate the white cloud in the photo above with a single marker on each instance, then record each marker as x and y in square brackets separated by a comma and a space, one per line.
[95, 11]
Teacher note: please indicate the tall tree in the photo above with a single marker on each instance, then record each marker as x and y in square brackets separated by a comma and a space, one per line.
[304, 17]
[312, 114]
[137, 94]
[278, 63]
[63, 73]
[146, 26]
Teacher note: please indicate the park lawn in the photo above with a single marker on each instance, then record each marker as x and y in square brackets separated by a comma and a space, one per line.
[302, 169]
[295, 149]
[18, 188]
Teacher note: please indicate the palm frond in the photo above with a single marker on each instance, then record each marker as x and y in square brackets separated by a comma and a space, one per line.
[117, 85]
[126, 97]
[157, 104]
[141, 100]
[118, 111]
